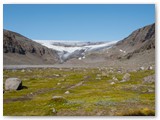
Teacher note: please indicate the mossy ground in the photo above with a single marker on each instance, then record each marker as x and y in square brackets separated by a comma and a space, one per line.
[93, 97]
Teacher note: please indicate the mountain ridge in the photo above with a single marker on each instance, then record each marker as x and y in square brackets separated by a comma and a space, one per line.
[140, 42]
[17, 46]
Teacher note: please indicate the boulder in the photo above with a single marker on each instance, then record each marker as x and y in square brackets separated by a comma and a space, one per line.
[126, 77]
[150, 68]
[104, 74]
[112, 83]
[149, 79]
[141, 68]
[114, 78]
[54, 110]
[58, 83]
[67, 92]
[23, 70]
[13, 84]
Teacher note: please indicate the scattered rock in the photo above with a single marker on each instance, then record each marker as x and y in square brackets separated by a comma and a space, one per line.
[83, 57]
[23, 70]
[29, 70]
[13, 84]
[111, 71]
[58, 83]
[98, 75]
[56, 75]
[114, 78]
[141, 68]
[149, 79]
[59, 99]
[126, 77]
[67, 92]
[150, 90]
[123, 81]
[104, 74]
[112, 83]
[54, 110]
[150, 68]
[79, 58]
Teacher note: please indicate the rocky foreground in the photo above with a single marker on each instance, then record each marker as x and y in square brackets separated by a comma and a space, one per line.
[79, 91]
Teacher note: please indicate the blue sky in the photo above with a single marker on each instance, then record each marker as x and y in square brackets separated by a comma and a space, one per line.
[85, 22]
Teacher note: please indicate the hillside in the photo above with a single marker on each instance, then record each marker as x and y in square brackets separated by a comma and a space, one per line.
[141, 40]
[18, 49]
[138, 49]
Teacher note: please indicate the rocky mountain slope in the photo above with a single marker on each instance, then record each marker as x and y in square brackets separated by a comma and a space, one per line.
[139, 41]
[18, 49]
[138, 49]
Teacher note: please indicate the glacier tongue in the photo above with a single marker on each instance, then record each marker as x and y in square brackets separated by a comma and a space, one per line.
[74, 49]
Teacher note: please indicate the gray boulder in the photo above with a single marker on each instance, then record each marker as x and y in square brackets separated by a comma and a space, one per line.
[13, 84]
[149, 79]
[67, 92]
[141, 68]
[126, 77]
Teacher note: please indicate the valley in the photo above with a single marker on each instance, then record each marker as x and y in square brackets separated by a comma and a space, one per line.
[60, 78]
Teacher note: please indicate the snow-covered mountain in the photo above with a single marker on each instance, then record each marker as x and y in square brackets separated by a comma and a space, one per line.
[74, 49]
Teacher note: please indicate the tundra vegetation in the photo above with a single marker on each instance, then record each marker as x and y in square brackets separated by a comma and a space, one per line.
[76, 91]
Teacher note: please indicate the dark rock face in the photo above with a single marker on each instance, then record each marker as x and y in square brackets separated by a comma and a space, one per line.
[15, 44]
[13, 84]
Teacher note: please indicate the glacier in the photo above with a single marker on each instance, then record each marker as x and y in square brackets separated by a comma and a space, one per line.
[74, 49]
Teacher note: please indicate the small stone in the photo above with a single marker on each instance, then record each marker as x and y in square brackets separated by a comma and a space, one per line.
[54, 110]
[98, 75]
[23, 70]
[123, 81]
[112, 83]
[114, 78]
[141, 68]
[57, 75]
[105, 74]
[79, 58]
[67, 92]
[150, 68]
[58, 83]
[126, 77]
[150, 90]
